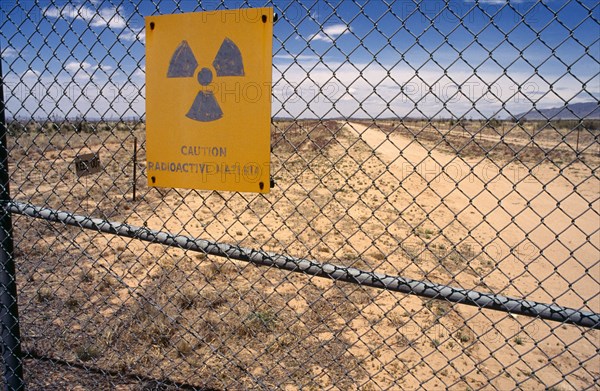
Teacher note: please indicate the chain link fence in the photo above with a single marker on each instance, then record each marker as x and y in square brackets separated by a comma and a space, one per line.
[434, 221]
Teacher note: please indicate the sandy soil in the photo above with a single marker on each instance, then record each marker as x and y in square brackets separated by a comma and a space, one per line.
[345, 194]
[506, 208]
[540, 229]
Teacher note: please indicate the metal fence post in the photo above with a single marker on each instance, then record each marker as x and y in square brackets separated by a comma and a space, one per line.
[9, 314]
[134, 167]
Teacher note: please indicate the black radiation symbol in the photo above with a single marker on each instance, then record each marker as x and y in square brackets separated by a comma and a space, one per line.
[227, 62]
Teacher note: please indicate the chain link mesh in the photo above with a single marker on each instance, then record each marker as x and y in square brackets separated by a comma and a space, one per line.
[453, 143]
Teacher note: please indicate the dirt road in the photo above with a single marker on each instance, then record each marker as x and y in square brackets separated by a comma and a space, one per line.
[540, 227]
[541, 220]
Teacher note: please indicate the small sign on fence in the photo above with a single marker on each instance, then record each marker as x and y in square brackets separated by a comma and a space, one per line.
[87, 164]
[208, 99]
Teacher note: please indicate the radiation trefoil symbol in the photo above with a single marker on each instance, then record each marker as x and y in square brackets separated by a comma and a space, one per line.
[227, 62]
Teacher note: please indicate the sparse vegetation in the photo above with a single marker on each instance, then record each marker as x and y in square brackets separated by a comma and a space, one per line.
[257, 322]
[184, 348]
[463, 336]
[87, 352]
[187, 297]
[45, 294]
[337, 200]
[518, 340]
[506, 140]
[72, 303]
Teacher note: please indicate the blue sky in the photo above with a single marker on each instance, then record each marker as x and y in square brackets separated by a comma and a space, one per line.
[330, 58]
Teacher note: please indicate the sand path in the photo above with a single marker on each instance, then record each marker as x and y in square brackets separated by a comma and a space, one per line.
[540, 226]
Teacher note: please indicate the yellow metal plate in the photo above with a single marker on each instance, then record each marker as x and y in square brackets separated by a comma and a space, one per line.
[208, 99]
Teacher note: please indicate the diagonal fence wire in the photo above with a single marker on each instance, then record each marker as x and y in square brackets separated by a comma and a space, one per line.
[311, 267]
[439, 158]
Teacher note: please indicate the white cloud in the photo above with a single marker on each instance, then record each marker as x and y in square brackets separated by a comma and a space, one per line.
[52, 12]
[74, 67]
[85, 71]
[133, 35]
[330, 33]
[9, 52]
[297, 58]
[335, 89]
[336, 29]
[30, 73]
[140, 72]
[497, 1]
[108, 16]
[60, 95]
[360, 89]
[111, 16]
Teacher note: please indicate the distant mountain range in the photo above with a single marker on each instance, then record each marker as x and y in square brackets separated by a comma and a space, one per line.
[589, 110]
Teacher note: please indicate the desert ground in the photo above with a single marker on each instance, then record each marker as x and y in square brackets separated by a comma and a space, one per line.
[512, 210]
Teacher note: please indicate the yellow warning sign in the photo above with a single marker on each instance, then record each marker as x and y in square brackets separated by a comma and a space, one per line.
[208, 99]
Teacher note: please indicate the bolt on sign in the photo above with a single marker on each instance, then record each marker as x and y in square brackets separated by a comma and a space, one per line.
[208, 99]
